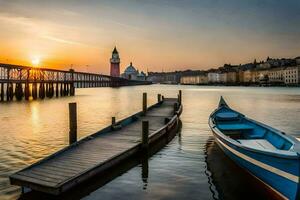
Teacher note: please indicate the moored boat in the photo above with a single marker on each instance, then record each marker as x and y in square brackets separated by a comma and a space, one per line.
[268, 154]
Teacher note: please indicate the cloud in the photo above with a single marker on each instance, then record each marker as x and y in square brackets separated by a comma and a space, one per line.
[60, 40]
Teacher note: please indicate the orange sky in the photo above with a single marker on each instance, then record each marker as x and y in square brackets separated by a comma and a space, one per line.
[157, 35]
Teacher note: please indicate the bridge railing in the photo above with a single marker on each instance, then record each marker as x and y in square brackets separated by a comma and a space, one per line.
[19, 81]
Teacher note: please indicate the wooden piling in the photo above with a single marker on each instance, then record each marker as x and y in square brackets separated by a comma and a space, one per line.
[159, 98]
[72, 123]
[42, 91]
[34, 91]
[61, 90]
[113, 121]
[145, 135]
[144, 103]
[56, 90]
[2, 92]
[10, 92]
[180, 97]
[27, 91]
[175, 107]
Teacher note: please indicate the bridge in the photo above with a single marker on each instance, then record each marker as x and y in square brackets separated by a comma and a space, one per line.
[33, 83]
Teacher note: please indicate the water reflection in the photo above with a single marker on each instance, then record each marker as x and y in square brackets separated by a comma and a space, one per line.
[207, 171]
[145, 171]
[230, 180]
[187, 168]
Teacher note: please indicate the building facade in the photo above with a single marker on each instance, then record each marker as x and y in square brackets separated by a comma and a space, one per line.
[291, 75]
[213, 77]
[276, 75]
[232, 77]
[115, 64]
[132, 73]
[248, 74]
[164, 77]
[194, 80]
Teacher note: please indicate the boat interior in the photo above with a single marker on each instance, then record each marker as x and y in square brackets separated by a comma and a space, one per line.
[248, 133]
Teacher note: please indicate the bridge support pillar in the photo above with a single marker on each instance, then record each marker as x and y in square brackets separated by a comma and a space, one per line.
[61, 90]
[42, 91]
[9, 92]
[72, 89]
[34, 91]
[27, 91]
[2, 92]
[56, 90]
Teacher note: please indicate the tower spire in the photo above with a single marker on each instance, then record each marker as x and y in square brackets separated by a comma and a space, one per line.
[115, 50]
[115, 63]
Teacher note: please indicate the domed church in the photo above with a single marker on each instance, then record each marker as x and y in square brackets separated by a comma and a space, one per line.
[132, 73]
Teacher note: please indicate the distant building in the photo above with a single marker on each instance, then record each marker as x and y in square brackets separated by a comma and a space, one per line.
[291, 75]
[141, 76]
[200, 79]
[130, 72]
[115, 64]
[213, 76]
[223, 77]
[232, 77]
[297, 60]
[276, 75]
[164, 77]
[264, 65]
[247, 76]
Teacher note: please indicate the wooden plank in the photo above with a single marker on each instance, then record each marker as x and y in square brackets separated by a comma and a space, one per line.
[42, 177]
[58, 169]
[33, 180]
[51, 171]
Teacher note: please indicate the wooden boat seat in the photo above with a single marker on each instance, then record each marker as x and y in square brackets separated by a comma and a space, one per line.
[234, 127]
[258, 144]
[227, 116]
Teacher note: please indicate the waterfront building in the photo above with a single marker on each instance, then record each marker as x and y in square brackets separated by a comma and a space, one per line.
[297, 59]
[261, 75]
[200, 79]
[130, 73]
[164, 77]
[141, 76]
[275, 75]
[213, 76]
[291, 75]
[232, 77]
[247, 76]
[115, 64]
[240, 76]
[223, 77]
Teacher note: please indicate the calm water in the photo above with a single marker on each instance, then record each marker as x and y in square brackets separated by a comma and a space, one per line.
[191, 166]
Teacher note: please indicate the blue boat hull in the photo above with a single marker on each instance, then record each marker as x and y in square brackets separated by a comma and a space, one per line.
[279, 174]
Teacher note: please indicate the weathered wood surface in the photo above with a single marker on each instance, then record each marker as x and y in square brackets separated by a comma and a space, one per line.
[83, 159]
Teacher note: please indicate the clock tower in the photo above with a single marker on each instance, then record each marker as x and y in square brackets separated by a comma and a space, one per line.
[115, 64]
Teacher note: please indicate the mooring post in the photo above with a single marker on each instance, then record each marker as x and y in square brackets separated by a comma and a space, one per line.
[175, 107]
[113, 121]
[145, 135]
[144, 103]
[180, 97]
[72, 123]
[159, 98]
[163, 98]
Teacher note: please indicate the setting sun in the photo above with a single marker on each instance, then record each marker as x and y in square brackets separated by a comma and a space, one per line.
[35, 61]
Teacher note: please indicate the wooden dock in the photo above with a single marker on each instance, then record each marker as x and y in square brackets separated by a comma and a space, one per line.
[103, 150]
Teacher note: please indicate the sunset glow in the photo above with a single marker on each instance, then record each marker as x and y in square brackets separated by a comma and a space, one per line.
[35, 61]
[155, 35]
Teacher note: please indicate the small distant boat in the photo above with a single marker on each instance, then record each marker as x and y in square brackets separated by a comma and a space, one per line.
[268, 154]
